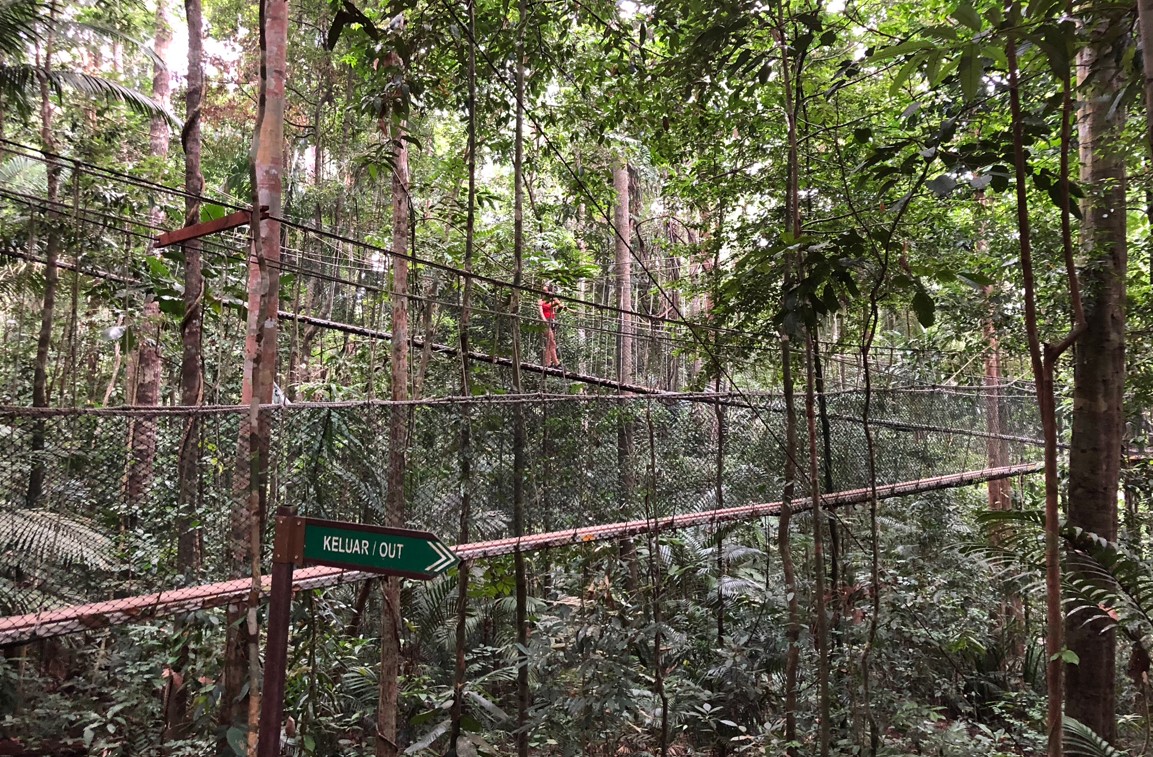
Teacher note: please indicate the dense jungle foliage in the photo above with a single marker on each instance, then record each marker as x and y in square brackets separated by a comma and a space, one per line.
[535, 267]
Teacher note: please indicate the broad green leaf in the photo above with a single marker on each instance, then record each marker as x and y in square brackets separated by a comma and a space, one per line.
[933, 67]
[210, 212]
[157, 268]
[969, 73]
[941, 185]
[902, 48]
[943, 33]
[981, 181]
[925, 308]
[965, 14]
[911, 65]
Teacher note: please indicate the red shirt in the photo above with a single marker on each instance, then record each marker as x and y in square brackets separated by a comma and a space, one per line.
[548, 309]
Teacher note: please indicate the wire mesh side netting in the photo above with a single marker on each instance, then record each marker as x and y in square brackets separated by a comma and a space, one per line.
[108, 506]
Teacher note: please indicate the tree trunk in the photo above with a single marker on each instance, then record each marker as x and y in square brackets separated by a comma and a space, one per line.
[518, 432]
[250, 483]
[1042, 360]
[1145, 19]
[625, 359]
[459, 669]
[1099, 363]
[161, 84]
[386, 744]
[142, 430]
[51, 275]
[189, 549]
[784, 543]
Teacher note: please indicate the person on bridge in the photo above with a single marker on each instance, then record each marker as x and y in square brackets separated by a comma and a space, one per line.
[550, 307]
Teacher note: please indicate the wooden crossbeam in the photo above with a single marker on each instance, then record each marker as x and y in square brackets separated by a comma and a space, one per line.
[215, 226]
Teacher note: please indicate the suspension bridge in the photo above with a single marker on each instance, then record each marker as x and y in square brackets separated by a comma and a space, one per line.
[107, 538]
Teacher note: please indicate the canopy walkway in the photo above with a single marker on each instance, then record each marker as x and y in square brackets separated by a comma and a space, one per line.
[101, 545]
[95, 615]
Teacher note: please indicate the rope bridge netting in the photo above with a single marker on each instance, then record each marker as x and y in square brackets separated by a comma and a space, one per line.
[97, 527]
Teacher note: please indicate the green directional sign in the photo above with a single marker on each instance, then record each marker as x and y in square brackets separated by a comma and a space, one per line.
[395, 551]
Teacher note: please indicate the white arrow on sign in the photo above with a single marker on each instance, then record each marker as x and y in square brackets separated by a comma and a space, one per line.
[446, 558]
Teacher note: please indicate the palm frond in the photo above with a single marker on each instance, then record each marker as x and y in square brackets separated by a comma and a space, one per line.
[97, 86]
[17, 79]
[15, 84]
[45, 536]
[18, 20]
[18, 278]
[18, 599]
[110, 33]
[1081, 740]
[24, 175]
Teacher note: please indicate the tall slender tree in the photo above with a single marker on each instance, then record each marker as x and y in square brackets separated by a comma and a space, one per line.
[1099, 361]
[520, 462]
[142, 430]
[44, 53]
[189, 548]
[242, 658]
[394, 125]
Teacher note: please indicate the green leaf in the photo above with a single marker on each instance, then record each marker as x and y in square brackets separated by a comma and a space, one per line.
[975, 279]
[902, 48]
[902, 76]
[965, 14]
[157, 268]
[941, 185]
[238, 741]
[933, 67]
[1067, 656]
[969, 73]
[925, 308]
[210, 212]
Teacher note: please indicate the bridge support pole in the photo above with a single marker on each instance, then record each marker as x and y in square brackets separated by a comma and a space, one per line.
[276, 645]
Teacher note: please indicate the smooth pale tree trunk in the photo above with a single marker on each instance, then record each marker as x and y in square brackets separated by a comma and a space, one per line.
[388, 697]
[161, 82]
[626, 366]
[189, 549]
[1099, 362]
[242, 659]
